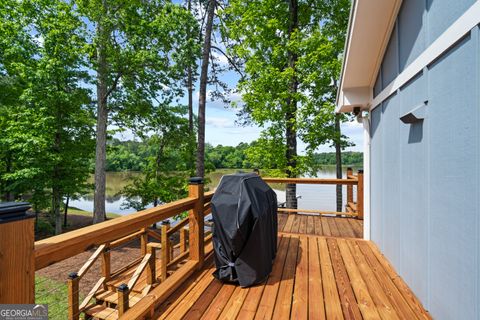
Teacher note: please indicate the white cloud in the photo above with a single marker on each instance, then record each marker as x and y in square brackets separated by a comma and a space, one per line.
[220, 122]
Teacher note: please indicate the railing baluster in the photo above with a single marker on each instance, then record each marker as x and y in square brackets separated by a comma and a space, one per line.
[349, 187]
[106, 263]
[183, 240]
[151, 267]
[165, 253]
[360, 194]
[144, 241]
[73, 297]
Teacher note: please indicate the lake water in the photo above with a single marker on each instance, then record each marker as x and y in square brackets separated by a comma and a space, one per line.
[313, 197]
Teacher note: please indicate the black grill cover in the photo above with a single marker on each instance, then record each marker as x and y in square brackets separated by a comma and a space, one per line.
[244, 210]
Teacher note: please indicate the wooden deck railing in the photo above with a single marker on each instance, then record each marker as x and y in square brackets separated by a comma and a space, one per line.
[114, 233]
[352, 208]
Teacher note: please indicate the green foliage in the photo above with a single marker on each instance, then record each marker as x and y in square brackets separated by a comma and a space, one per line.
[45, 113]
[54, 294]
[261, 37]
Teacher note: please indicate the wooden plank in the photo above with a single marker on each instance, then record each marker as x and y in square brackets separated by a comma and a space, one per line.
[318, 212]
[141, 267]
[193, 295]
[91, 261]
[360, 194]
[92, 292]
[17, 275]
[289, 223]
[102, 312]
[385, 308]
[364, 300]
[201, 305]
[326, 227]
[196, 224]
[316, 307]
[296, 224]
[357, 227]
[269, 296]
[234, 304]
[333, 307]
[347, 297]
[178, 226]
[283, 303]
[318, 225]
[310, 181]
[216, 307]
[300, 292]
[310, 225]
[250, 305]
[125, 239]
[346, 229]
[352, 205]
[58, 248]
[333, 227]
[303, 224]
[176, 298]
[161, 292]
[282, 220]
[405, 305]
[401, 285]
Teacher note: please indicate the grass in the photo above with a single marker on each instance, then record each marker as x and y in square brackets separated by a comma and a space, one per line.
[54, 294]
[80, 212]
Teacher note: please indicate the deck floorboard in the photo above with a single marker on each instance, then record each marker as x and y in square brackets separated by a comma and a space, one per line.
[313, 277]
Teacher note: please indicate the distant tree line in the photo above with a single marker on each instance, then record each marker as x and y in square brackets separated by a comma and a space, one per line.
[133, 156]
[348, 158]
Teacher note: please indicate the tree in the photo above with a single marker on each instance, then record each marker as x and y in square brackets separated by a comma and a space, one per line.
[290, 52]
[207, 43]
[138, 51]
[48, 130]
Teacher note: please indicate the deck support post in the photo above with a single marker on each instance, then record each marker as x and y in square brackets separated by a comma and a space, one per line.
[196, 223]
[17, 258]
[165, 253]
[122, 291]
[73, 296]
[360, 194]
[349, 187]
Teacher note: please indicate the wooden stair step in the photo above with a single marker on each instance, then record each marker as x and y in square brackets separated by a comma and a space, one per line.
[112, 297]
[102, 312]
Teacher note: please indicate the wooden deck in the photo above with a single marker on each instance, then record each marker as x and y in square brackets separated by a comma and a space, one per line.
[320, 225]
[313, 277]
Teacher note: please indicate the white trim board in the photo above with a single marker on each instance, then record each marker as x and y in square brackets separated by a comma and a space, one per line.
[452, 35]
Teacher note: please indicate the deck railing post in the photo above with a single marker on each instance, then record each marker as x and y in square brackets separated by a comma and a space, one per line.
[349, 187]
[106, 265]
[122, 291]
[144, 241]
[73, 296]
[183, 240]
[360, 194]
[196, 228]
[165, 251]
[17, 258]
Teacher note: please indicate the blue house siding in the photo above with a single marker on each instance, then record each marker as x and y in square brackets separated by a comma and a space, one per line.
[425, 177]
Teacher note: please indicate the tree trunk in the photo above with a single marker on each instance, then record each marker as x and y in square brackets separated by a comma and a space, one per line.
[56, 202]
[102, 118]
[203, 90]
[291, 114]
[66, 211]
[190, 82]
[338, 158]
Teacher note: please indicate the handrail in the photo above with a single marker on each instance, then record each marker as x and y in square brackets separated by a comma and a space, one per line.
[57, 248]
[141, 267]
[125, 239]
[311, 181]
[178, 226]
[92, 292]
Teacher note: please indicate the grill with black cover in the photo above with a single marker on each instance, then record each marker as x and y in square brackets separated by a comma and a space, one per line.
[244, 210]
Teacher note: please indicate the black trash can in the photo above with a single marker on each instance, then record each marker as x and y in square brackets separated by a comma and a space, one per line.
[244, 210]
